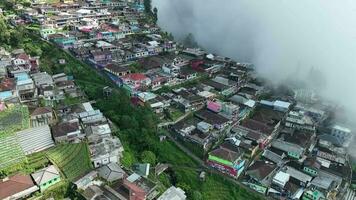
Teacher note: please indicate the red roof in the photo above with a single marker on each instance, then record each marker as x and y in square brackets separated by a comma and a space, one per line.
[7, 84]
[14, 185]
[136, 77]
[136, 193]
[23, 56]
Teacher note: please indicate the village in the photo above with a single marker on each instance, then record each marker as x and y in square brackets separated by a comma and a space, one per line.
[281, 143]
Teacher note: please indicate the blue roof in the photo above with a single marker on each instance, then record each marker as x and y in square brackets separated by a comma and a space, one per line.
[5, 95]
[22, 76]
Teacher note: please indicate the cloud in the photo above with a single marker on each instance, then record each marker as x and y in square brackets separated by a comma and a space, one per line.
[284, 38]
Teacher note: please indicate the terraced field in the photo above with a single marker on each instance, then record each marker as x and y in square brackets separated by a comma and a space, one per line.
[72, 159]
[10, 151]
[37, 161]
[12, 120]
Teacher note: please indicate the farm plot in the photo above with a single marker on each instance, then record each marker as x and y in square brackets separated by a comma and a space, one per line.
[13, 119]
[72, 159]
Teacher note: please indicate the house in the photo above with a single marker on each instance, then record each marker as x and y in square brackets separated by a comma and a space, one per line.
[60, 77]
[171, 70]
[7, 88]
[136, 81]
[42, 79]
[227, 158]
[261, 173]
[100, 58]
[46, 177]
[142, 169]
[313, 195]
[277, 105]
[274, 157]
[46, 31]
[101, 130]
[63, 41]
[111, 172]
[311, 166]
[104, 150]
[342, 133]
[302, 178]
[94, 192]
[300, 120]
[222, 86]
[230, 85]
[136, 187]
[187, 74]
[42, 116]
[117, 70]
[218, 121]
[21, 59]
[35, 139]
[84, 181]
[25, 88]
[17, 187]
[292, 150]
[281, 179]
[67, 131]
[173, 193]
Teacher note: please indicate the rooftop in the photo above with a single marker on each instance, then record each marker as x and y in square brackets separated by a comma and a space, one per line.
[15, 184]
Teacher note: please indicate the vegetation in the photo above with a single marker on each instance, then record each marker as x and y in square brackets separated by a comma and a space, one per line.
[137, 130]
[148, 157]
[151, 14]
[13, 119]
[11, 155]
[72, 159]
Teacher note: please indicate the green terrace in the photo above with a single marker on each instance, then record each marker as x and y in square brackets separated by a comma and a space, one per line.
[13, 119]
[72, 159]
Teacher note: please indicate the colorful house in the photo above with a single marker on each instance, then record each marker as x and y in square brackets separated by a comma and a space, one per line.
[45, 32]
[136, 81]
[63, 41]
[227, 159]
[311, 166]
[46, 177]
[313, 195]
[101, 58]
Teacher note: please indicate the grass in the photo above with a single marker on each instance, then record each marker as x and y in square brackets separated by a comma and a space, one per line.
[186, 172]
[72, 159]
[175, 113]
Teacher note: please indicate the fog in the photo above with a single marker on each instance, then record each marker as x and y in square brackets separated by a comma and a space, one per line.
[306, 40]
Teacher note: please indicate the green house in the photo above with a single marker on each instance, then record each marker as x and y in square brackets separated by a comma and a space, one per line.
[45, 32]
[311, 166]
[313, 195]
[46, 177]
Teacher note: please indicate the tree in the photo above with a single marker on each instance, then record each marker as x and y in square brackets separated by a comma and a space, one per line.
[155, 15]
[5, 34]
[197, 195]
[127, 159]
[148, 6]
[148, 157]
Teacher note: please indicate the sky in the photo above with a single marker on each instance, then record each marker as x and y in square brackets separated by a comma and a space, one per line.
[306, 40]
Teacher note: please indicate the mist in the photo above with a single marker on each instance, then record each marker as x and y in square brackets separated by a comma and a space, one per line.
[304, 40]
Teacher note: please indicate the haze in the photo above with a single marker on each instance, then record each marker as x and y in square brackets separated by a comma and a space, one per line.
[284, 39]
